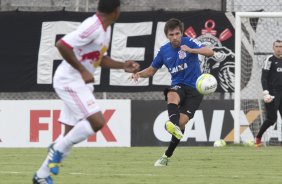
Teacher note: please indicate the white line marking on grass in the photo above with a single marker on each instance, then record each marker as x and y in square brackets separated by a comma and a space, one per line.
[85, 174]
[118, 174]
[122, 174]
[10, 172]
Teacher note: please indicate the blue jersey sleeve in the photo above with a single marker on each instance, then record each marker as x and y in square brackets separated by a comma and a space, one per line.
[158, 61]
[193, 43]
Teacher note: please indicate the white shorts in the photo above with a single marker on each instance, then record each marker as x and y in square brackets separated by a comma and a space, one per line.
[79, 103]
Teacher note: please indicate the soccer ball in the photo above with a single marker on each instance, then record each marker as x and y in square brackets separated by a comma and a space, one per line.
[206, 84]
[219, 143]
[249, 142]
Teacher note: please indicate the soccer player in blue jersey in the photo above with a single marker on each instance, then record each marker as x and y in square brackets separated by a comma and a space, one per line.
[180, 56]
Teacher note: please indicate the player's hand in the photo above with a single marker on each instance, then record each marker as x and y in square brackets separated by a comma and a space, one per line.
[186, 48]
[131, 66]
[135, 76]
[267, 98]
[87, 76]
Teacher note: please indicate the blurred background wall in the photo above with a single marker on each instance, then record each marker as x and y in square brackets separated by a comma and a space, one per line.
[127, 5]
[144, 5]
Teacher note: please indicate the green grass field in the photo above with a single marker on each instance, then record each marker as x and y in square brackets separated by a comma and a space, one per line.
[205, 165]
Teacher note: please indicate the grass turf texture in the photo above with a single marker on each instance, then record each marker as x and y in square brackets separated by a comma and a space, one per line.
[197, 165]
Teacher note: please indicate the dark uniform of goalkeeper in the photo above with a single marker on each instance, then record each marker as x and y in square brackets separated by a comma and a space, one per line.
[271, 80]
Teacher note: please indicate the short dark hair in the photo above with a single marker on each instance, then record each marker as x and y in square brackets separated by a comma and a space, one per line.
[108, 6]
[277, 41]
[172, 24]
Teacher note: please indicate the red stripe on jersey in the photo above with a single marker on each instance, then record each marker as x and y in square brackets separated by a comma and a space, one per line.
[89, 30]
[77, 101]
[99, 17]
[66, 44]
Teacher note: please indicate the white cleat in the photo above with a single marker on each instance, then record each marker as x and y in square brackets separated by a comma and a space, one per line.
[161, 161]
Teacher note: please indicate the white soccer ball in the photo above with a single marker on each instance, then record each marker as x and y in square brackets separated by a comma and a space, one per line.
[206, 84]
[249, 142]
[219, 143]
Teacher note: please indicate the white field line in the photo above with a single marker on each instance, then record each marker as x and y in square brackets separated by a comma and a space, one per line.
[84, 174]
[11, 172]
[93, 174]
[120, 174]
[127, 174]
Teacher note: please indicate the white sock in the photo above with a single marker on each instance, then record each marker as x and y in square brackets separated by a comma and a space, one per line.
[80, 132]
[43, 171]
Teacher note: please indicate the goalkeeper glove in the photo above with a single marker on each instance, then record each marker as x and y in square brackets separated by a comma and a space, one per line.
[267, 98]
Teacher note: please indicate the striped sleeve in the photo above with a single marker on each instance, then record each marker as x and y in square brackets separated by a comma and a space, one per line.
[265, 72]
[86, 33]
[267, 63]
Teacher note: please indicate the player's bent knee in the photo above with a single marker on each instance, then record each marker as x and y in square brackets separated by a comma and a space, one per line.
[97, 121]
[173, 97]
[97, 125]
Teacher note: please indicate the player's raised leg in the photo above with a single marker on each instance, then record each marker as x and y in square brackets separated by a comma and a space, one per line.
[172, 126]
[173, 129]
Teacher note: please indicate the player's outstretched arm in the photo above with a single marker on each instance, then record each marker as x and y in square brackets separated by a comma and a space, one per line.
[205, 51]
[147, 72]
[128, 66]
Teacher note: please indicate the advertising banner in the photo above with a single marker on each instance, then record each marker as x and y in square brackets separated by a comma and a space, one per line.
[28, 56]
[213, 121]
[34, 123]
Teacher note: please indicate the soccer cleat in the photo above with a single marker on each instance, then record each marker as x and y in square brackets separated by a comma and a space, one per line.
[161, 161]
[55, 158]
[173, 129]
[37, 180]
[258, 142]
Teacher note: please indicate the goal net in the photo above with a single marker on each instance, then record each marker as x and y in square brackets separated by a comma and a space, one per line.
[254, 37]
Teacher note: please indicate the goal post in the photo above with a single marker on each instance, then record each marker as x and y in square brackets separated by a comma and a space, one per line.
[254, 34]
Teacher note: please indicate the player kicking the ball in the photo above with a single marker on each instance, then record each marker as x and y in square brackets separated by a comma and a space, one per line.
[180, 56]
[82, 50]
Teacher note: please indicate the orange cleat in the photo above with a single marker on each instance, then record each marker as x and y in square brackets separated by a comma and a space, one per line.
[258, 142]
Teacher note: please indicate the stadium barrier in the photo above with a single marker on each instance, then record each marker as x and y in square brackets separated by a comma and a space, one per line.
[34, 123]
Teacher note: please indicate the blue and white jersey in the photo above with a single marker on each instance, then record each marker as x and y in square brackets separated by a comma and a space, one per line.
[184, 67]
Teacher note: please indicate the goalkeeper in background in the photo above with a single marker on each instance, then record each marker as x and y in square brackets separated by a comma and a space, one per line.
[180, 56]
[271, 80]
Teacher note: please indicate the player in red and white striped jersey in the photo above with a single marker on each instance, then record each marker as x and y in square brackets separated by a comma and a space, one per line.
[83, 50]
